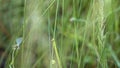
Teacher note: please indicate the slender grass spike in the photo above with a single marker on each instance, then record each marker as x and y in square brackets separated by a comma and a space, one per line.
[14, 52]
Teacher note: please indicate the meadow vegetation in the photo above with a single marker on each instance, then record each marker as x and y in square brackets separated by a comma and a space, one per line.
[59, 33]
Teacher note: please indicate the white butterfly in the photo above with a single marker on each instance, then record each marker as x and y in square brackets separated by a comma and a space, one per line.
[19, 41]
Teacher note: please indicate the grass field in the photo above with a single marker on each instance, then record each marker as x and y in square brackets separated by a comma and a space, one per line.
[59, 34]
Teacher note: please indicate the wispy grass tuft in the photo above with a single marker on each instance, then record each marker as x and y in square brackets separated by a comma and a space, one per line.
[85, 34]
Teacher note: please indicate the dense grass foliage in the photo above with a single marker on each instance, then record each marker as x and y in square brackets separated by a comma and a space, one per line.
[59, 33]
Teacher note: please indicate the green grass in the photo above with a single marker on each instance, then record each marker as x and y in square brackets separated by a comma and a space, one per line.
[86, 33]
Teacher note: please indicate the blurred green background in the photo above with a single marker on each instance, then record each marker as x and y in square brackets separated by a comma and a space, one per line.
[86, 33]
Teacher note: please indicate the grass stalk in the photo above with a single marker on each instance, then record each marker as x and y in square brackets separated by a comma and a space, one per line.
[101, 35]
[56, 53]
[13, 55]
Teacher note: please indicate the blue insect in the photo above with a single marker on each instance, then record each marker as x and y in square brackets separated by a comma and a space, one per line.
[19, 41]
